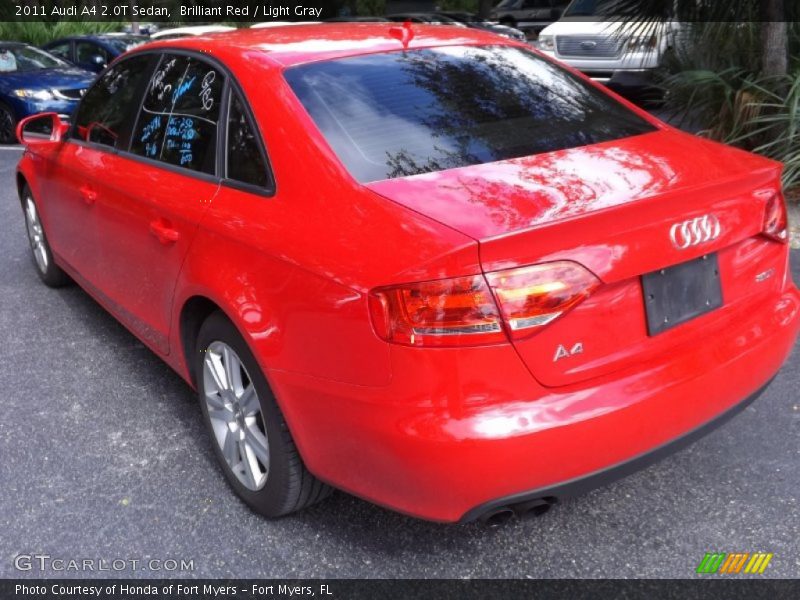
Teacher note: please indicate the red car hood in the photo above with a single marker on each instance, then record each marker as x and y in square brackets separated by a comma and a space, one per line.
[484, 201]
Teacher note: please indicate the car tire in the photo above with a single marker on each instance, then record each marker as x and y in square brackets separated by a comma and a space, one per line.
[249, 434]
[8, 125]
[49, 272]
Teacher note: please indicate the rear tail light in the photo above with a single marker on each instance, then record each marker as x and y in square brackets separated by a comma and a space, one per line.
[463, 311]
[449, 312]
[531, 297]
[775, 220]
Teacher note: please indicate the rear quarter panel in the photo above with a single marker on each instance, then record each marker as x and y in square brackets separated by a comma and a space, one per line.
[293, 270]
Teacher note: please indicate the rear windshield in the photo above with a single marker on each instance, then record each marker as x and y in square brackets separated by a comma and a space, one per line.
[404, 113]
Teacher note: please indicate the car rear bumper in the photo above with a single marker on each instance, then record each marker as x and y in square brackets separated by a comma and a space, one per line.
[586, 483]
[460, 432]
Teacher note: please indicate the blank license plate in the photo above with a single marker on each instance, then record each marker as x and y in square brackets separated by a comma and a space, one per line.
[677, 294]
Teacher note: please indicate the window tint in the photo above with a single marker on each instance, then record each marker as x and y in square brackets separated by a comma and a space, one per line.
[402, 113]
[180, 114]
[85, 53]
[110, 104]
[60, 50]
[244, 160]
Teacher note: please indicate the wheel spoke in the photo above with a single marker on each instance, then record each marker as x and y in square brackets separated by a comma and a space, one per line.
[214, 368]
[41, 256]
[219, 413]
[31, 210]
[214, 400]
[230, 450]
[249, 401]
[233, 369]
[251, 470]
[258, 444]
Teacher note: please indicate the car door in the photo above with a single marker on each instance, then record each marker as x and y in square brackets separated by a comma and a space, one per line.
[151, 197]
[102, 122]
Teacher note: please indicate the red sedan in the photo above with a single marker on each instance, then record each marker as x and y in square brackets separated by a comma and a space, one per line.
[426, 265]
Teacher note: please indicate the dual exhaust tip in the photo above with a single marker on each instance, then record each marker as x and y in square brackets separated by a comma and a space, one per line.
[530, 508]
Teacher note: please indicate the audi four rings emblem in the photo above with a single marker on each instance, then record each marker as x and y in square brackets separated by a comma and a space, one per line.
[694, 232]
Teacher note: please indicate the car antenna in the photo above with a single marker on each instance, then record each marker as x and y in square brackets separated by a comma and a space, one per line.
[405, 34]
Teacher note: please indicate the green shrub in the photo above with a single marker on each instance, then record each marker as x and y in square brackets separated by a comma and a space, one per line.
[722, 93]
[40, 33]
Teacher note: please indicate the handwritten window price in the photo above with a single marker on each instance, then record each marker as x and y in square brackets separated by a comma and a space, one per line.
[180, 114]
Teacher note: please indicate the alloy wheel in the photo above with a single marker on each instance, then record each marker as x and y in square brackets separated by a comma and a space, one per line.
[235, 414]
[36, 235]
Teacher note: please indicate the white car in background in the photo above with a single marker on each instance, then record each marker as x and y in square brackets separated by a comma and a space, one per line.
[179, 32]
[619, 53]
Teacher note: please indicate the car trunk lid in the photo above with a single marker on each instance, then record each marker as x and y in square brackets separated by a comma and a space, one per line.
[611, 207]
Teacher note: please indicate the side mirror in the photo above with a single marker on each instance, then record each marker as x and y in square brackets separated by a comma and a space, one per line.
[44, 128]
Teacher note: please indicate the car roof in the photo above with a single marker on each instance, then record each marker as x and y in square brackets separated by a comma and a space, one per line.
[290, 45]
[195, 30]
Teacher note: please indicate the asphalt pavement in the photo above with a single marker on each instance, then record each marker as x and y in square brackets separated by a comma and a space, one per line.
[103, 456]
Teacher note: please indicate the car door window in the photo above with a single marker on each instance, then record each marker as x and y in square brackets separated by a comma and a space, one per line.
[108, 107]
[244, 158]
[61, 51]
[179, 119]
[88, 53]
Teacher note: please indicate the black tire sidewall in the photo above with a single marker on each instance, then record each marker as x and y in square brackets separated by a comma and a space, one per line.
[12, 139]
[272, 499]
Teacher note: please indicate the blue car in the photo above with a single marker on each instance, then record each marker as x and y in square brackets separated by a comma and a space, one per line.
[33, 81]
[93, 52]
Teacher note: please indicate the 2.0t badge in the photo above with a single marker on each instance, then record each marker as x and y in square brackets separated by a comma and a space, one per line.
[694, 232]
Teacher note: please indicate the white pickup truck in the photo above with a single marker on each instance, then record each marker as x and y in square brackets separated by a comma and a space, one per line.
[616, 52]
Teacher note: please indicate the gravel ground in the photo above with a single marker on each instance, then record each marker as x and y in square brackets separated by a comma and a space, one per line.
[104, 456]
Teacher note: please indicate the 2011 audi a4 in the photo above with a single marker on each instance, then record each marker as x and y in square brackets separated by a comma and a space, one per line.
[425, 265]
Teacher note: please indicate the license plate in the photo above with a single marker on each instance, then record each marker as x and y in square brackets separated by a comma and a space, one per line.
[682, 292]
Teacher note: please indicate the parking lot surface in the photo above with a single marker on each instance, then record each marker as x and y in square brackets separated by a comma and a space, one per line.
[103, 455]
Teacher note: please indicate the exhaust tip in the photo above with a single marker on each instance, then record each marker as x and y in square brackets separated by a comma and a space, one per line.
[498, 517]
[535, 508]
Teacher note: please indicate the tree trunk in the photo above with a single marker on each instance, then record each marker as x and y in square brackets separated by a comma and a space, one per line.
[774, 38]
[484, 8]
[134, 24]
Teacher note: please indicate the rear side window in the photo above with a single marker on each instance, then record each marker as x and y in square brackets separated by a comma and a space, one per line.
[403, 113]
[179, 119]
[86, 52]
[106, 111]
[244, 162]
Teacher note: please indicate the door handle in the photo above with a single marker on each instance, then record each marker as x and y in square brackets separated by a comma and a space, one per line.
[163, 232]
[88, 194]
